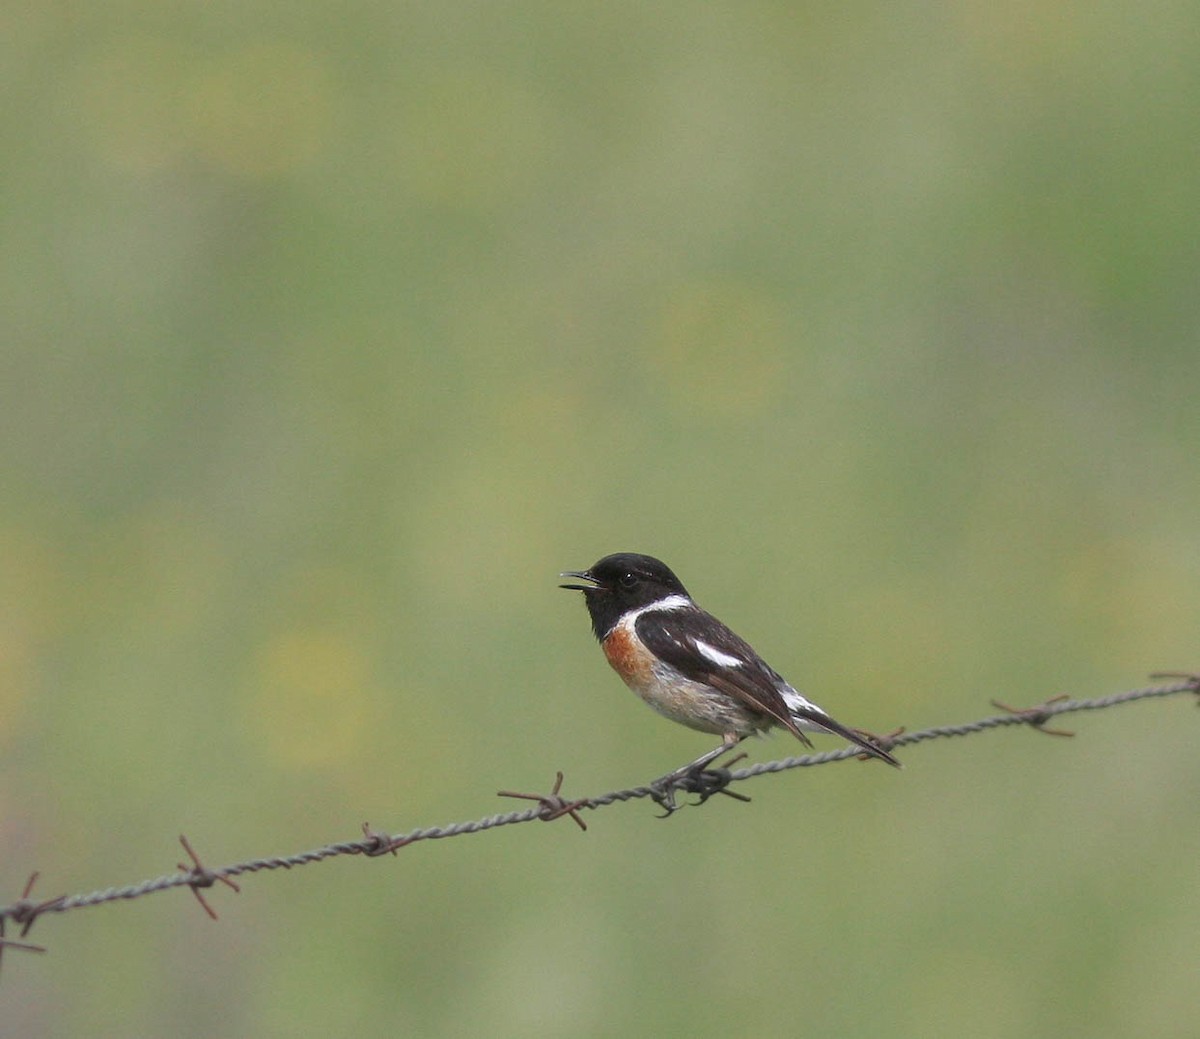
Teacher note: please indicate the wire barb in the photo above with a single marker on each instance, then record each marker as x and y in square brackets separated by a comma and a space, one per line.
[552, 805]
[1037, 716]
[888, 742]
[377, 843]
[1191, 677]
[25, 913]
[201, 877]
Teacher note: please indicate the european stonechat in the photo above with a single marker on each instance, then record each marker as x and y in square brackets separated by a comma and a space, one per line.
[689, 666]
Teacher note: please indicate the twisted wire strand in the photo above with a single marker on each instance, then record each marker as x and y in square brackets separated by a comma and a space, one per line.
[550, 807]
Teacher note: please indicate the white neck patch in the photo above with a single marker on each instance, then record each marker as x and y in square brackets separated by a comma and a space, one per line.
[671, 602]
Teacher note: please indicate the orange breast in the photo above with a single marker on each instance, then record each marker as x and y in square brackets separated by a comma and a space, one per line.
[629, 658]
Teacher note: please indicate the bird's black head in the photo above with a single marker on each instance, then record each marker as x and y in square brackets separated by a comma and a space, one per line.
[620, 583]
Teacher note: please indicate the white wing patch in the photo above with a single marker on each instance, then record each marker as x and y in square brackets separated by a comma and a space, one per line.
[715, 655]
[797, 702]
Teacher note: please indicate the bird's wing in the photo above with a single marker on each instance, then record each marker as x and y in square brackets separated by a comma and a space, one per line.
[703, 649]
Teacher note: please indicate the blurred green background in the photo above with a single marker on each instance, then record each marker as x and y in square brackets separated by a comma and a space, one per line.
[333, 332]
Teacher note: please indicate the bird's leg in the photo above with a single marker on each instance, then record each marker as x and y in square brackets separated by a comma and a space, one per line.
[664, 786]
[728, 742]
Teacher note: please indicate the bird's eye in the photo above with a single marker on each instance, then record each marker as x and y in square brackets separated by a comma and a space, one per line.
[628, 579]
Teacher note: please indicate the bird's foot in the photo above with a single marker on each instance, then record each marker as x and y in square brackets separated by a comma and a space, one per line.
[697, 778]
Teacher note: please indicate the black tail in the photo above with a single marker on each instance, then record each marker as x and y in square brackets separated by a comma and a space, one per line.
[867, 741]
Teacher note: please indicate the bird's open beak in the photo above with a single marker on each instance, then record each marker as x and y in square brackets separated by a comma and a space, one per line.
[583, 575]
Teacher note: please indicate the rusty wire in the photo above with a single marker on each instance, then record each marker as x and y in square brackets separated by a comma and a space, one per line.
[25, 912]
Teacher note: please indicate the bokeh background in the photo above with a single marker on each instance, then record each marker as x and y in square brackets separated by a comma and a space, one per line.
[333, 332]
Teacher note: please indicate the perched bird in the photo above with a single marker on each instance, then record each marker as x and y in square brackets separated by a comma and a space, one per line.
[689, 666]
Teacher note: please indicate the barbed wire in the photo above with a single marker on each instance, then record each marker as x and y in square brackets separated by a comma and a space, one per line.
[547, 807]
